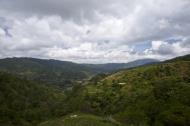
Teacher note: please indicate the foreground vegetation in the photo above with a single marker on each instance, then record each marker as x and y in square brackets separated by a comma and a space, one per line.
[151, 95]
[25, 103]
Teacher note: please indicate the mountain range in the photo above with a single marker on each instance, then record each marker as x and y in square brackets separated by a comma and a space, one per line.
[61, 73]
[149, 95]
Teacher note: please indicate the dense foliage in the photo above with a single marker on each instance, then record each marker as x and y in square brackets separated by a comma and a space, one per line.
[151, 95]
[25, 103]
[156, 95]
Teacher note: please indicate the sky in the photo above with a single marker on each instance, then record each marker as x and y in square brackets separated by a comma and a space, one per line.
[95, 31]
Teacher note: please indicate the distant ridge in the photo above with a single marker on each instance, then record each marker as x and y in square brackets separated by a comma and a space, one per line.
[109, 67]
[56, 72]
[61, 73]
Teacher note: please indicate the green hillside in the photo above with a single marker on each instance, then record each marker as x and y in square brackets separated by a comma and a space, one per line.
[151, 95]
[24, 103]
[55, 72]
[60, 73]
[157, 95]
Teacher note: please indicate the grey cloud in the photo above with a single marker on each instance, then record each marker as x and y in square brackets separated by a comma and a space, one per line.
[167, 49]
[93, 30]
[69, 9]
[186, 42]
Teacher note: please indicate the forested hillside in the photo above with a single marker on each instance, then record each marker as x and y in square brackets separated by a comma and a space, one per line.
[150, 95]
[60, 73]
[156, 95]
[25, 103]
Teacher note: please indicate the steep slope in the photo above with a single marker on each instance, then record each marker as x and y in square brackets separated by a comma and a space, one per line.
[25, 103]
[153, 95]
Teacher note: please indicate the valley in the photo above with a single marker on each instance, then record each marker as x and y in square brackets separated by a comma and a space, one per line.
[62, 74]
[148, 94]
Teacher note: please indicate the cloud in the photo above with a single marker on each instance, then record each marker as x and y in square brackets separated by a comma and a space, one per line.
[2, 32]
[167, 50]
[94, 31]
[51, 37]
